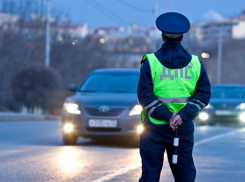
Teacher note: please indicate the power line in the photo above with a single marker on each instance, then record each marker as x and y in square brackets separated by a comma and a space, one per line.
[111, 12]
[135, 7]
[105, 13]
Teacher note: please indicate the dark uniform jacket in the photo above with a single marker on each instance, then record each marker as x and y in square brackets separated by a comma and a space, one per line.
[172, 55]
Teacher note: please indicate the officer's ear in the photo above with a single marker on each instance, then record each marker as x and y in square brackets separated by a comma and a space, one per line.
[181, 37]
[163, 38]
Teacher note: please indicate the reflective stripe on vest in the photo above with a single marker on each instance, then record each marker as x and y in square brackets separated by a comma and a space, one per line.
[174, 100]
[173, 87]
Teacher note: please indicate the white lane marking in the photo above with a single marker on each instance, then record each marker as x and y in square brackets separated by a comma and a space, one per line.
[118, 172]
[9, 153]
[218, 136]
[135, 166]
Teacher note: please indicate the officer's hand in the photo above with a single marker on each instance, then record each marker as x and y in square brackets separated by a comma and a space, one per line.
[175, 122]
[179, 121]
[174, 114]
[171, 120]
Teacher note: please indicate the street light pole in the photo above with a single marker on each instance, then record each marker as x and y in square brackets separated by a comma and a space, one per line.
[219, 61]
[154, 47]
[169, 5]
[47, 40]
[155, 10]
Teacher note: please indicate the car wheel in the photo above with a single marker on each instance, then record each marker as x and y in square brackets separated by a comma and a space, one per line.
[203, 123]
[69, 139]
[211, 123]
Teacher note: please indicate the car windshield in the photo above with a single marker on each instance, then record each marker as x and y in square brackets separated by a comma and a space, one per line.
[117, 82]
[228, 93]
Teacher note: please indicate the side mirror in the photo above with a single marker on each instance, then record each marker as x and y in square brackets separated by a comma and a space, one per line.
[72, 87]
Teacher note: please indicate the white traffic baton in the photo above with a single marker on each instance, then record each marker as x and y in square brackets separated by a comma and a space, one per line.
[176, 144]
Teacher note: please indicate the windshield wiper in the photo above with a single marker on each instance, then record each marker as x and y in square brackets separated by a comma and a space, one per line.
[119, 91]
[87, 91]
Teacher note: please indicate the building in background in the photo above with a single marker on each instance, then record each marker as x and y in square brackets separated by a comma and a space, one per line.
[37, 24]
[8, 19]
[238, 31]
[133, 31]
[213, 30]
[131, 39]
[209, 33]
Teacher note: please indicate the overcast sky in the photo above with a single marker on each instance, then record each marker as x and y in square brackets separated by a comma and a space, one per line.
[99, 13]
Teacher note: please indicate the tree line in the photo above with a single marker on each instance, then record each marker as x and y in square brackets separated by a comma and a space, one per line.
[25, 81]
[23, 78]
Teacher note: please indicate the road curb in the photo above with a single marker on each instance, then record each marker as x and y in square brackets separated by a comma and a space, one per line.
[27, 117]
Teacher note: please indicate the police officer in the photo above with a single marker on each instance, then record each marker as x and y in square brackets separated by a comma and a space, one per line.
[173, 88]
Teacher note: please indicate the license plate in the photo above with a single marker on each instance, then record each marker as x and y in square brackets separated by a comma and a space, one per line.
[102, 123]
[223, 113]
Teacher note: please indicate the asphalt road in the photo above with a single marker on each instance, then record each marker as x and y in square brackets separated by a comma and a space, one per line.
[33, 151]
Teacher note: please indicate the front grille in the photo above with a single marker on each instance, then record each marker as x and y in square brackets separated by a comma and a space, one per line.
[225, 119]
[104, 129]
[96, 112]
[224, 106]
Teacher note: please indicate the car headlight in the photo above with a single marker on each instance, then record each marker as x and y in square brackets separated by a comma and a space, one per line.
[242, 117]
[140, 128]
[136, 110]
[241, 106]
[203, 116]
[209, 106]
[68, 127]
[72, 108]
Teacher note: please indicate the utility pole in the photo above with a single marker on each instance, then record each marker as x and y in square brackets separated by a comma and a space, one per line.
[169, 5]
[155, 10]
[47, 41]
[219, 61]
[154, 47]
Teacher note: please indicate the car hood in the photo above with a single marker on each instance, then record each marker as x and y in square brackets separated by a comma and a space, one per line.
[97, 99]
[227, 101]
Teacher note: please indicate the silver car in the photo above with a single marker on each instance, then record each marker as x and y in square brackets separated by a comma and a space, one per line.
[104, 106]
[227, 105]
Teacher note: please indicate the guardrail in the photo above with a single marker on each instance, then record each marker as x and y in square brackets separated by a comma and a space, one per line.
[12, 116]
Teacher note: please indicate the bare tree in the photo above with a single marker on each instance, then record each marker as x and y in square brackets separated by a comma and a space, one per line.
[36, 86]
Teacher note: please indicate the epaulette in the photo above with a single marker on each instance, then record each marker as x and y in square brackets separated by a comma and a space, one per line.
[143, 59]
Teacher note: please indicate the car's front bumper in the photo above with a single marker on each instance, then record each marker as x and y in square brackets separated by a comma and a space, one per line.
[126, 126]
[222, 116]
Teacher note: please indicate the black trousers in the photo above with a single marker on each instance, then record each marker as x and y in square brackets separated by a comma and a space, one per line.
[155, 140]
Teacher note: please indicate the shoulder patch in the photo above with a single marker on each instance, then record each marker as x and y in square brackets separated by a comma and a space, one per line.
[143, 59]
